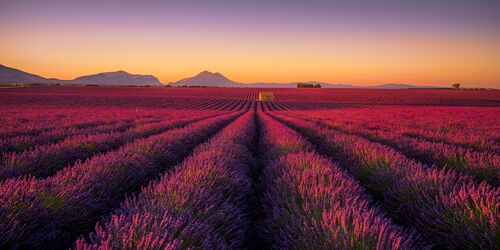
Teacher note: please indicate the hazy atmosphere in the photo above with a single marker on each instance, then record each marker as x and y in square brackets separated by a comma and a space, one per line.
[352, 42]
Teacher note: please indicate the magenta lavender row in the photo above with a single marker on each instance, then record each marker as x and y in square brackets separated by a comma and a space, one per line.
[26, 142]
[484, 166]
[472, 127]
[310, 203]
[449, 209]
[201, 204]
[30, 124]
[467, 127]
[18, 122]
[46, 160]
[60, 123]
[36, 128]
[52, 212]
[29, 142]
[482, 143]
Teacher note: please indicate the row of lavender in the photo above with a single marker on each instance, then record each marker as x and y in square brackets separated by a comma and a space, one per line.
[202, 203]
[19, 121]
[24, 131]
[483, 165]
[310, 203]
[82, 140]
[52, 212]
[45, 160]
[33, 121]
[468, 127]
[29, 141]
[449, 209]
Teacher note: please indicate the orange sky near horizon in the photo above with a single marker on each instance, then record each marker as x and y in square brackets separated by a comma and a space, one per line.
[271, 51]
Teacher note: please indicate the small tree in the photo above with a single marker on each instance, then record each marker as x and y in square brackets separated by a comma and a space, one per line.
[456, 85]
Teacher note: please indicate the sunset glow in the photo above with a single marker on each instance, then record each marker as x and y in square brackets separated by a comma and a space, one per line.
[263, 124]
[351, 42]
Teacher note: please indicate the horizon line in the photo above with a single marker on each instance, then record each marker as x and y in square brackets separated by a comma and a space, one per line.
[431, 85]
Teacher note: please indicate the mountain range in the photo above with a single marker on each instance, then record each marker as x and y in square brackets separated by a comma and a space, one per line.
[209, 79]
[119, 78]
[204, 79]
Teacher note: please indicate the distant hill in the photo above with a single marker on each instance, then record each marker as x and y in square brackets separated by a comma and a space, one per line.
[401, 86]
[203, 79]
[119, 78]
[10, 75]
[209, 79]
[206, 79]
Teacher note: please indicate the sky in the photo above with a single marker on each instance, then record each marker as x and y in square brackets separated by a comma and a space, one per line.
[426, 42]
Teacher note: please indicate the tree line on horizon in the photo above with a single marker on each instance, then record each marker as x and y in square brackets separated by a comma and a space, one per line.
[308, 85]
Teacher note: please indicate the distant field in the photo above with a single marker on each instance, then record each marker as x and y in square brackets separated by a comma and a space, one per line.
[163, 97]
[211, 168]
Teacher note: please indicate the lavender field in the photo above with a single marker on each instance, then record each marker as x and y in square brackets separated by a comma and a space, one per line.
[186, 168]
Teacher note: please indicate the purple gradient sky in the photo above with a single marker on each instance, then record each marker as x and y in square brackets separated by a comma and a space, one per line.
[356, 42]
